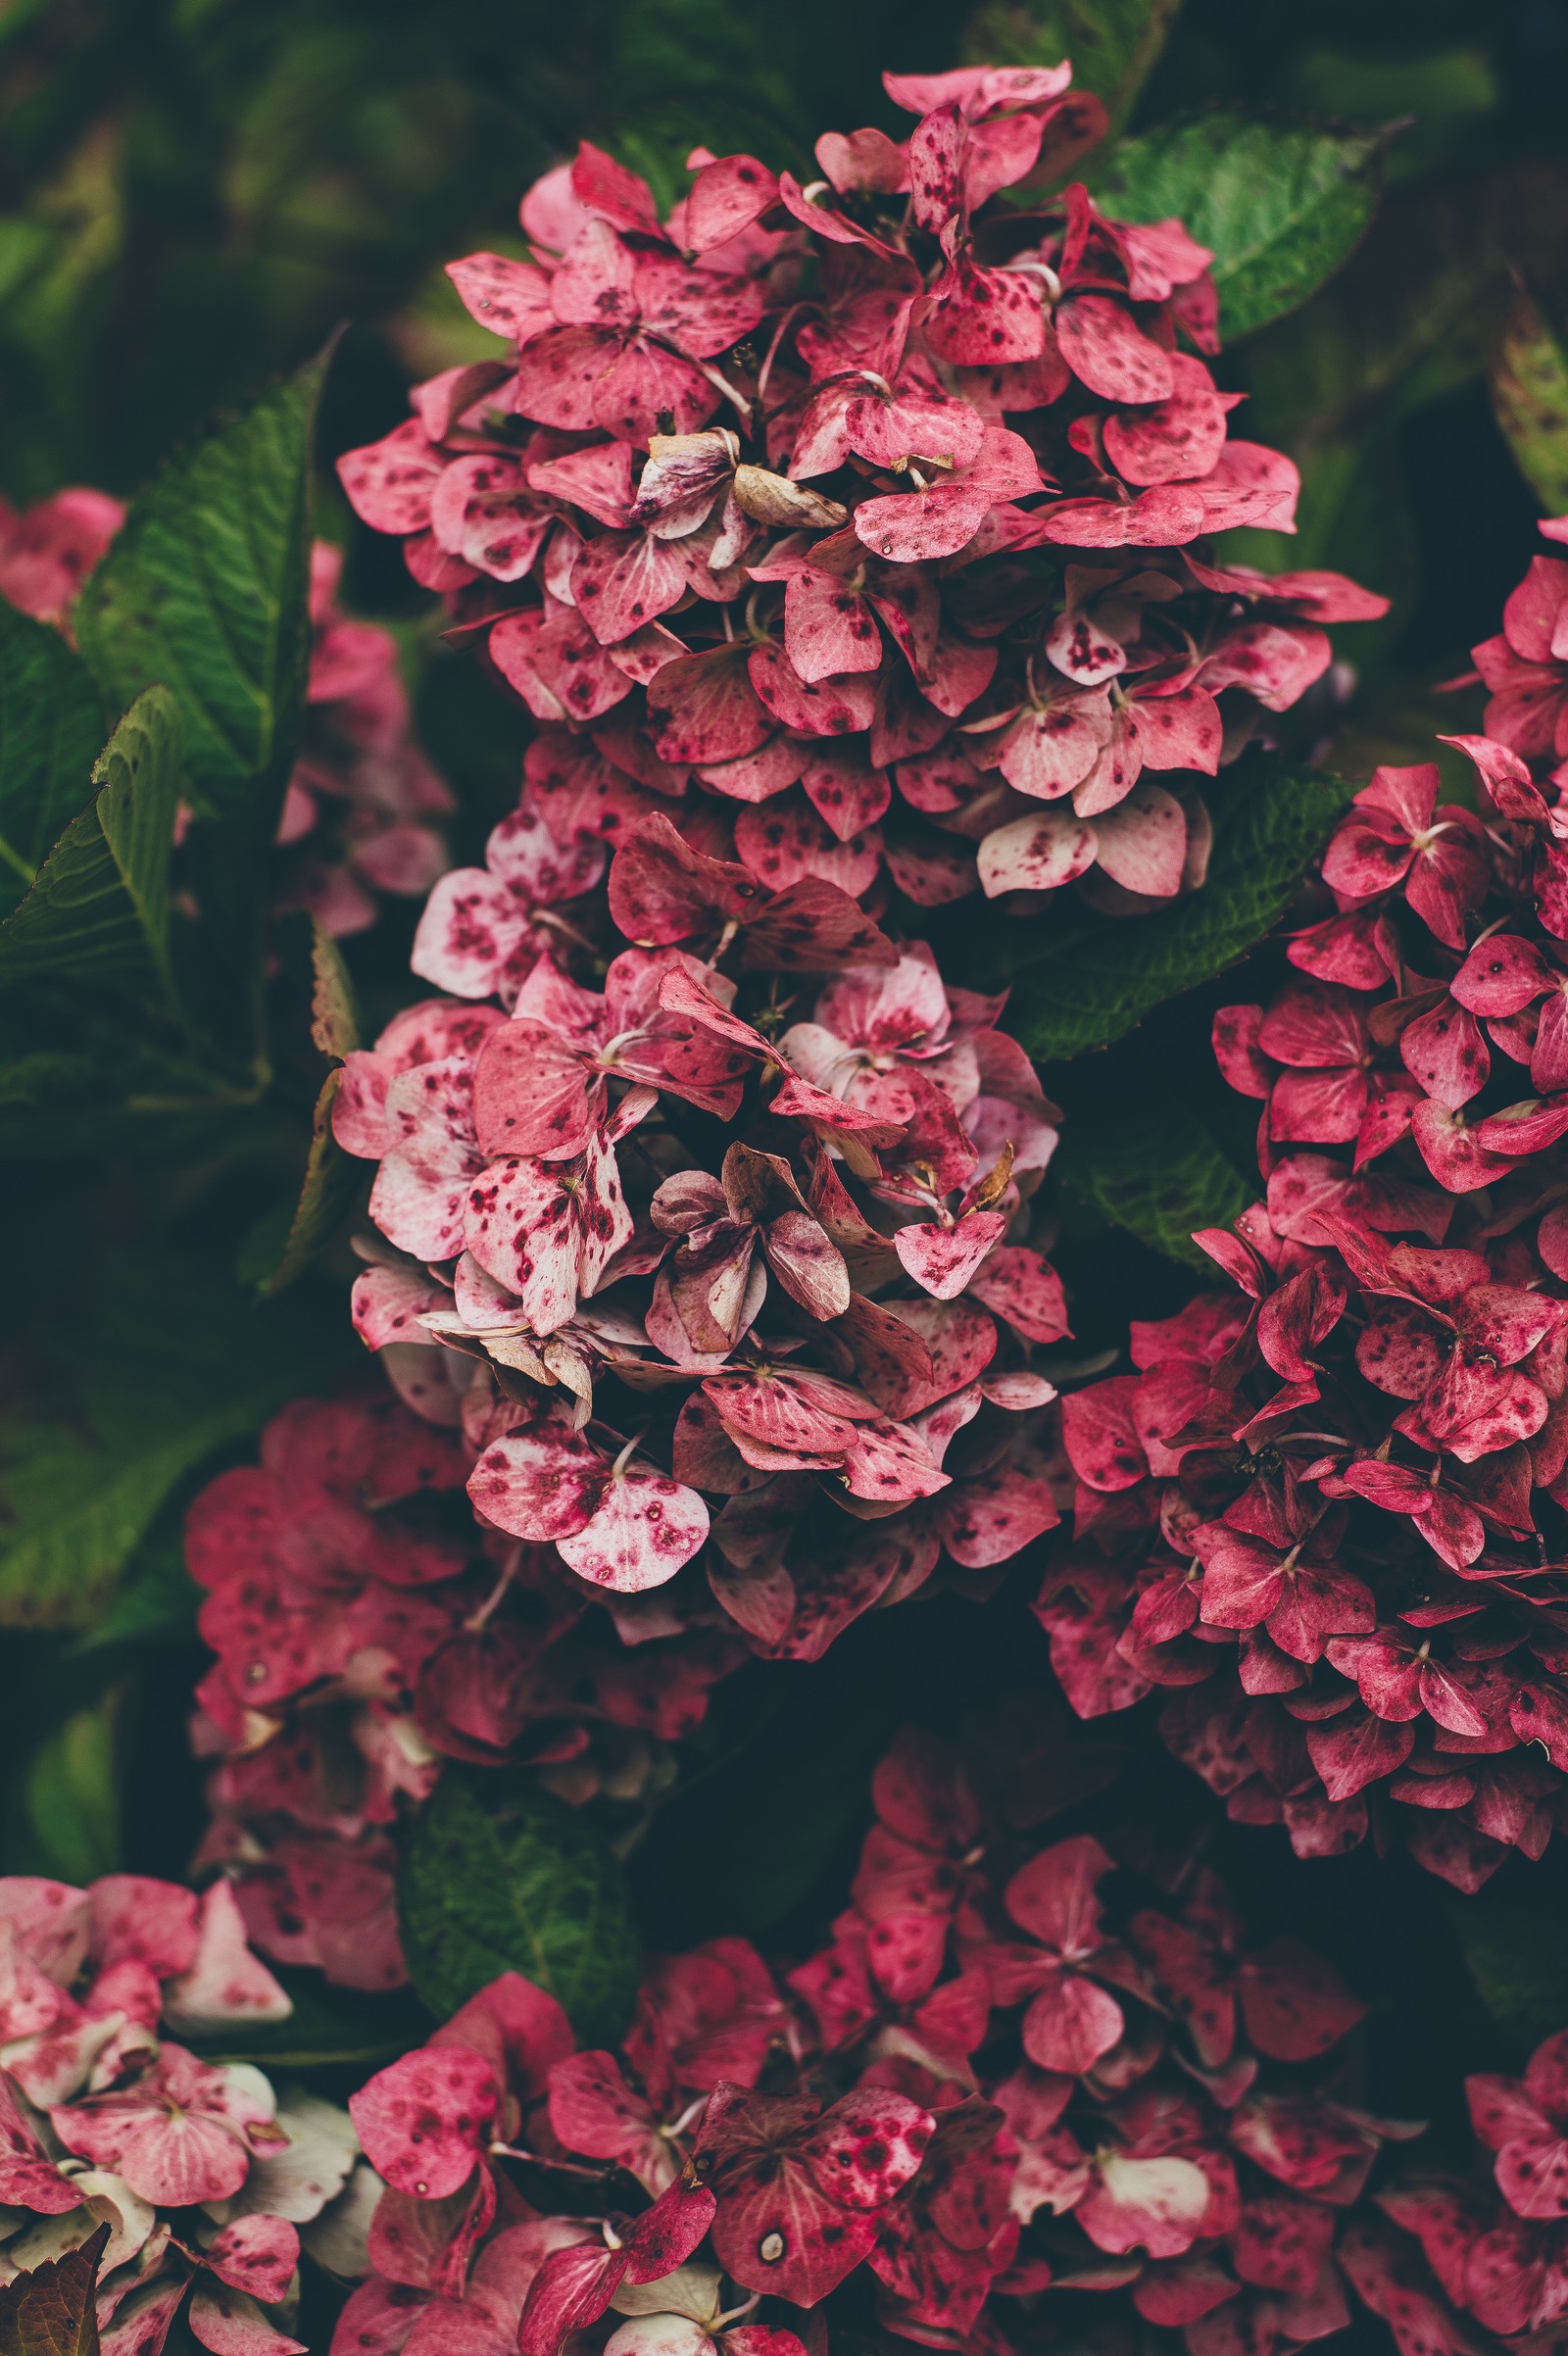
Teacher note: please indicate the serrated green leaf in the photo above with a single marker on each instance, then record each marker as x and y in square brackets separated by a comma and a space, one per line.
[1081, 981]
[50, 2310]
[203, 589]
[179, 1363]
[1160, 1175]
[51, 727]
[98, 909]
[1113, 44]
[1529, 385]
[1279, 207]
[517, 1882]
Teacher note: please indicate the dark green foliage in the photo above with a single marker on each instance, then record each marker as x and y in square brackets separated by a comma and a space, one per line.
[51, 728]
[202, 590]
[1159, 1172]
[97, 911]
[498, 1879]
[176, 1364]
[1279, 208]
[1529, 385]
[1078, 982]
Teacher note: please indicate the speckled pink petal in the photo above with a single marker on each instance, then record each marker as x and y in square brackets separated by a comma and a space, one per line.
[645, 1527]
[424, 2119]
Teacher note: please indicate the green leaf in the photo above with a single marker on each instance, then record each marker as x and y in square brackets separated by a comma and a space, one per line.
[1511, 1937]
[331, 1181]
[1529, 385]
[1280, 208]
[334, 1021]
[50, 2311]
[516, 1881]
[98, 909]
[155, 1602]
[178, 1364]
[1160, 1175]
[204, 588]
[1113, 44]
[50, 730]
[288, 1238]
[64, 1812]
[1081, 981]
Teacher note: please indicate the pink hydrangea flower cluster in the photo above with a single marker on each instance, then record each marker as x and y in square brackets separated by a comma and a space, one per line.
[366, 1629]
[857, 531]
[1505, 2263]
[202, 2179]
[48, 550]
[734, 1309]
[1000, 2087]
[360, 813]
[1328, 1509]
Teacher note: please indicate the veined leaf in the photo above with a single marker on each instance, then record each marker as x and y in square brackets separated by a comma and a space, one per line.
[1160, 1175]
[50, 2310]
[50, 730]
[1280, 208]
[98, 909]
[1079, 981]
[517, 1882]
[203, 589]
[1529, 385]
[180, 1363]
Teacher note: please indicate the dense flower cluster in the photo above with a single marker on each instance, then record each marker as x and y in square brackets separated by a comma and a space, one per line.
[202, 2179]
[996, 2091]
[358, 816]
[1504, 2262]
[857, 531]
[1329, 1511]
[703, 1201]
[367, 1631]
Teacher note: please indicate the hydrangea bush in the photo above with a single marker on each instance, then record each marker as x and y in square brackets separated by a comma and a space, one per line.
[687, 1273]
[703, 1199]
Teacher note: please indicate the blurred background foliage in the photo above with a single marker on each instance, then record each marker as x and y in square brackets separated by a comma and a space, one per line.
[194, 194]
